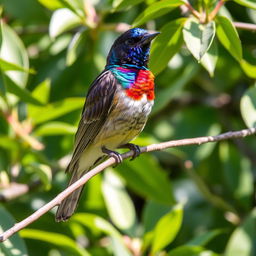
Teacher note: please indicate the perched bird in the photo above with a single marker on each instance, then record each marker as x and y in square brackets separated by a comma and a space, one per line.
[116, 109]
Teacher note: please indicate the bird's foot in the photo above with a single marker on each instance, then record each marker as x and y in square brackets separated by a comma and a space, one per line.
[113, 154]
[132, 147]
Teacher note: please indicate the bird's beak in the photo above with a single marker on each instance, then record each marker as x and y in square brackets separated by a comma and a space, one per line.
[147, 38]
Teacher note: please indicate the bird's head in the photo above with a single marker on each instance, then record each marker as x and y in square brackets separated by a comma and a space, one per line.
[131, 48]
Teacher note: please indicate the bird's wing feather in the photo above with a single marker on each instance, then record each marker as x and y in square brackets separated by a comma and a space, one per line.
[98, 105]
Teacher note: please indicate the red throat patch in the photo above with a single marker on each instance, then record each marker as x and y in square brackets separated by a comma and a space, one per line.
[144, 84]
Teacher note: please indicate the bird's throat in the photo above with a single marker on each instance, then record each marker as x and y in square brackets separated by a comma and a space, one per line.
[136, 82]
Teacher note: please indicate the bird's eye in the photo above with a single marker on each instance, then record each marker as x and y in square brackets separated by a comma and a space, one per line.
[129, 41]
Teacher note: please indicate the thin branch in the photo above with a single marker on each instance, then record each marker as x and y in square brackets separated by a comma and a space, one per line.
[154, 147]
[216, 10]
[193, 11]
[245, 26]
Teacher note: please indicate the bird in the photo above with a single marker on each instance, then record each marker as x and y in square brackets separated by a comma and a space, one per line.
[116, 109]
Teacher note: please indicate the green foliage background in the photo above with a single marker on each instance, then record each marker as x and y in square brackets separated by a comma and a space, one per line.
[196, 200]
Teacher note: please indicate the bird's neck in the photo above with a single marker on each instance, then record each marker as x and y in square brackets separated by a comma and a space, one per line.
[135, 81]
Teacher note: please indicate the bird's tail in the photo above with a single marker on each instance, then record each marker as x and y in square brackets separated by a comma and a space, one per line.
[69, 204]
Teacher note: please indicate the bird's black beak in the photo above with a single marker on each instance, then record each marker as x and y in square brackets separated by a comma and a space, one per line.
[147, 38]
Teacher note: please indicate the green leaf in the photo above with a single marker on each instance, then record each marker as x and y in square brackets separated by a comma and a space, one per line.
[6, 66]
[55, 128]
[61, 21]
[206, 237]
[210, 58]
[44, 172]
[56, 239]
[51, 4]
[247, 3]
[198, 37]
[22, 93]
[228, 36]
[122, 4]
[13, 51]
[248, 107]
[144, 176]
[55, 110]
[14, 245]
[191, 251]
[165, 96]
[42, 91]
[166, 45]
[75, 47]
[249, 69]
[156, 10]
[119, 204]
[167, 228]
[97, 223]
[243, 239]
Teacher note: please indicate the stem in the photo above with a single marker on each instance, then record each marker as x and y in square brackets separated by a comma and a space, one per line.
[192, 10]
[245, 26]
[111, 161]
[216, 10]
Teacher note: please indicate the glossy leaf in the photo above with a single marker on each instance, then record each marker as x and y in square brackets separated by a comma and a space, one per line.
[61, 21]
[198, 37]
[122, 4]
[166, 45]
[243, 239]
[210, 58]
[155, 10]
[167, 228]
[97, 223]
[229, 37]
[248, 107]
[14, 245]
[6, 66]
[13, 51]
[119, 204]
[55, 239]
[55, 128]
[247, 3]
[144, 176]
[249, 69]
[55, 110]
[51, 4]
[191, 251]
[75, 47]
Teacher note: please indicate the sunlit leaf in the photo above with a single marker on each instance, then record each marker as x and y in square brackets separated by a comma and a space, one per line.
[189, 250]
[118, 202]
[229, 37]
[42, 91]
[198, 37]
[210, 58]
[13, 51]
[144, 176]
[6, 66]
[55, 110]
[249, 69]
[242, 241]
[55, 239]
[55, 128]
[247, 3]
[122, 4]
[61, 21]
[166, 45]
[155, 10]
[167, 228]
[248, 107]
[14, 245]
[51, 4]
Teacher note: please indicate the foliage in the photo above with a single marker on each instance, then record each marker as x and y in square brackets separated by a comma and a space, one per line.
[195, 200]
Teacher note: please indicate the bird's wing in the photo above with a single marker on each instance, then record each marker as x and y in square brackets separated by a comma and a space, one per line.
[98, 105]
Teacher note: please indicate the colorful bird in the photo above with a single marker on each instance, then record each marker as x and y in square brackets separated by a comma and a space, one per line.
[116, 109]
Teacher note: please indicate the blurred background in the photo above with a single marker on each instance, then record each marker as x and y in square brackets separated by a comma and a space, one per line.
[193, 200]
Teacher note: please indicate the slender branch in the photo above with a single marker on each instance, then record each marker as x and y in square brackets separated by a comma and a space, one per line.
[154, 147]
[216, 10]
[193, 11]
[245, 26]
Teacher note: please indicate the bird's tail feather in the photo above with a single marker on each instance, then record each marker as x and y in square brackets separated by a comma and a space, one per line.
[69, 204]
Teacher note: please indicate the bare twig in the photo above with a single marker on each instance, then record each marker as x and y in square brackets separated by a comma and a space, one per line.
[245, 26]
[193, 11]
[216, 10]
[154, 147]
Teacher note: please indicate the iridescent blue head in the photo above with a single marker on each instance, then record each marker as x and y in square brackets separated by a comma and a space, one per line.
[131, 48]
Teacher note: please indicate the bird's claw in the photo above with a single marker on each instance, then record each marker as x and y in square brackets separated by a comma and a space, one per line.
[118, 158]
[134, 148]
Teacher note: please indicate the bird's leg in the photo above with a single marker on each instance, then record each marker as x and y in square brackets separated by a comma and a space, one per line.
[114, 154]
[132, 147]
